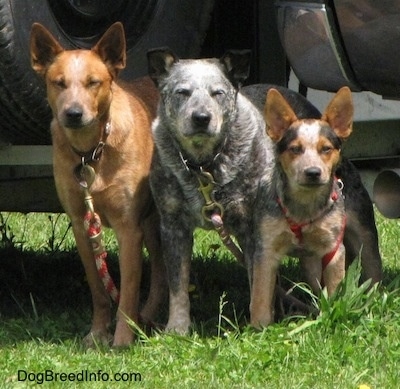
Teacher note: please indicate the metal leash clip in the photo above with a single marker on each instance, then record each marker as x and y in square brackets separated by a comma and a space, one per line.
[207, 183]
[87, 176]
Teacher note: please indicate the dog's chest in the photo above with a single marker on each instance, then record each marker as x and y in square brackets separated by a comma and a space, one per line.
[312, 240]
[307, 239]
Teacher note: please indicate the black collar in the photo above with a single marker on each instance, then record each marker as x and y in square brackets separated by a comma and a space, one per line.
[196, 167]
[94, 154]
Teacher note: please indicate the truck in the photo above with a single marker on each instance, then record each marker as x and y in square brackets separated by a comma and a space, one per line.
[314, 47]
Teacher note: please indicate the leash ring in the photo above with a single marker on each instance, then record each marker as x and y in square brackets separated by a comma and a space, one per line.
[340, 184]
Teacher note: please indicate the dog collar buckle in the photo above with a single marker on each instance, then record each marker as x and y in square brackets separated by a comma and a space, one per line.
[94, 154]
[97, 151]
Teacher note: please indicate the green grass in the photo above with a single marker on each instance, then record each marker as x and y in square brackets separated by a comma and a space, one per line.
[45, 312]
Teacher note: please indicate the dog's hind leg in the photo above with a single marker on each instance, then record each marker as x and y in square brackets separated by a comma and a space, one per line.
[360, 235]
[101, 317]
[371, 262]
[361, 239]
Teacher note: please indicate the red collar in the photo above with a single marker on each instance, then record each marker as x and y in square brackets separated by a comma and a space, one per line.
[297, 228]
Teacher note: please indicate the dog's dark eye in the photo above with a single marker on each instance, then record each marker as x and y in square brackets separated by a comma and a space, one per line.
[296, 150]
[218, 92]
[59, 83]
[94, 83]
[183, 92]
[326, 149]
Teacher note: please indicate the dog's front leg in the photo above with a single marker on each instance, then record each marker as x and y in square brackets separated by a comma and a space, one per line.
[177, 243]
[330, 276]
[335, 270]
[312, 270]
[101, 318]
[130, 242]
[262, 274]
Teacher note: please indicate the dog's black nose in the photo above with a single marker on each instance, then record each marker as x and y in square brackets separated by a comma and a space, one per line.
[313, 173]
[201, 119]
[73, 116]
[74, 113]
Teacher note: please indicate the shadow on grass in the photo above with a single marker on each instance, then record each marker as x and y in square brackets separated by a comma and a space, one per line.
[42, 296]
[46, 295]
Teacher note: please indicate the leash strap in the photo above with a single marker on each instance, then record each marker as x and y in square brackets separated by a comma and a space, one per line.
[213, 212]
[92, 225]
[218, 224]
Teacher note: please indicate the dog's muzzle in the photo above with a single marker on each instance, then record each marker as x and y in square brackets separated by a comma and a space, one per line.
[200, 124]
[312, 177]
[73, 117]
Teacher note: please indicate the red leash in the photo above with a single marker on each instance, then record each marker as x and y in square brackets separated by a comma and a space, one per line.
[92, 225]
[85, 175]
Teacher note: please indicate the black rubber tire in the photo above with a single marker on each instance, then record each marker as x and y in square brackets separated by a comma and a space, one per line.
[24, 113]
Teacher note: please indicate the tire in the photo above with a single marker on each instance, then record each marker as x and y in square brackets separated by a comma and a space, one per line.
[24, 113]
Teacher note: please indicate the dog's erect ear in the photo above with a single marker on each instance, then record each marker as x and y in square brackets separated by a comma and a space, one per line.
[160, 61]
[43, 48]
[111, 48]
[237, 65]
[339, 113]
[278, 115]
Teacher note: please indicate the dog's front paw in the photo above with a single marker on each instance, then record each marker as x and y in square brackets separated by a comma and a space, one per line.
[123, 335]
[180, 327]
[261, 319]
[97, 338]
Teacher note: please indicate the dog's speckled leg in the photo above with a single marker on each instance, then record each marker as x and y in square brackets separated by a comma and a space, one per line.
[177, 246]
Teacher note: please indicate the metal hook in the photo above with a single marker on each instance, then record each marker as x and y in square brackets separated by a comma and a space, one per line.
[87, 177]
[207, 183]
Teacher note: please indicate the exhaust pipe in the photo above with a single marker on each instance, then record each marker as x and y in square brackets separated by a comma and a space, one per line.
[386, 193]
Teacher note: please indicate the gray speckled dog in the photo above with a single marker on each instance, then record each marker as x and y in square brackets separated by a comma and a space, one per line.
[206, 130]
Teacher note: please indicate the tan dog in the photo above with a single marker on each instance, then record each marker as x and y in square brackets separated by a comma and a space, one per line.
[100, 123]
